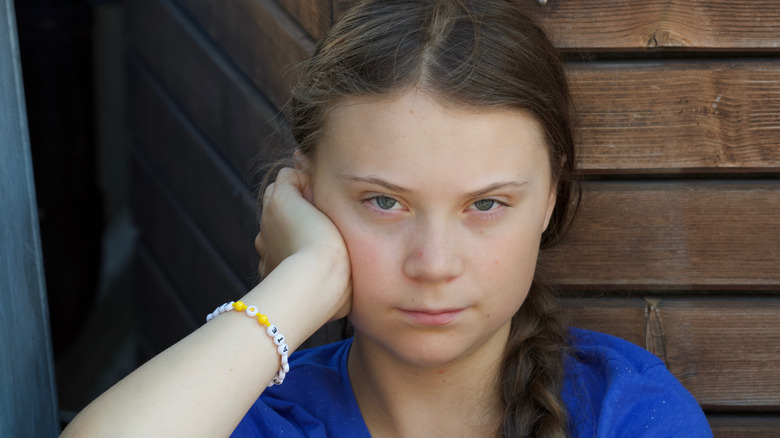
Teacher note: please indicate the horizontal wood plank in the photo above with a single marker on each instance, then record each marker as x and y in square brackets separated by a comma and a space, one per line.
[220, 100]
[678, 116]
[313, 15]
[631, 25]
[683, 235]
[277, 42]
[207, 188]
[182, 250]
[628, 25]
[726, 426]
[163, 317]
[724, 350]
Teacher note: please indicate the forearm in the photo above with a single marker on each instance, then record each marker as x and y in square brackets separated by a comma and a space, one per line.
[203, 385]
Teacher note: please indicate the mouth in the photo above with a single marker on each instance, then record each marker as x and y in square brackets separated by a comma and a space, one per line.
[432, 317]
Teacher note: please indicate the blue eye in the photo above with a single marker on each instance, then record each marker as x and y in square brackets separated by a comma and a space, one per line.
[384, 202]
[484, 204]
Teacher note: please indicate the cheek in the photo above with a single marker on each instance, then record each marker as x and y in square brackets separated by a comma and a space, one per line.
[374, 263]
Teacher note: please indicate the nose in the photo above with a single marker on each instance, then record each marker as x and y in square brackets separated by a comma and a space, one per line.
[433, 254]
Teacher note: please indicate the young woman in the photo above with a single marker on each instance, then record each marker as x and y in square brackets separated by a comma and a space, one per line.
[434, 159]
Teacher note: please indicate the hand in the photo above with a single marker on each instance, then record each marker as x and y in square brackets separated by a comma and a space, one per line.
[290, 224]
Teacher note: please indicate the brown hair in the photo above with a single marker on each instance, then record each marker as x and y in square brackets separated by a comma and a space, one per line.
[481, 53]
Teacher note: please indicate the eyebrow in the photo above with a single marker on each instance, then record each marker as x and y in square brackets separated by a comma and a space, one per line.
[376, 181]
[399, 189]
[497, 186]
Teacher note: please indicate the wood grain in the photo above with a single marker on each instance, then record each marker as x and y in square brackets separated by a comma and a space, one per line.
[747, 426]
[227, 108]
[259, 37]
[724, 350]
[212, 195]
[632, 25]
[683, 235]
[645, 117]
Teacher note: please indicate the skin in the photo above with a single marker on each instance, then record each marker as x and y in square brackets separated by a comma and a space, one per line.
[442, 210]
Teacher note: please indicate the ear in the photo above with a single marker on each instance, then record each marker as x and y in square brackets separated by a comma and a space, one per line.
[303, 165]
[302, 162]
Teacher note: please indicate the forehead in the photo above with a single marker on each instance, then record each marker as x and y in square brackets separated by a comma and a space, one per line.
[413, 129]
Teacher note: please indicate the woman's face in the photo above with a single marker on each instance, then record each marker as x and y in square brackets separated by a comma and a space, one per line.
[442, 210]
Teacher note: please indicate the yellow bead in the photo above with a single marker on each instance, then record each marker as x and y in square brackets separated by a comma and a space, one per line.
[263, 320]
[239, 305]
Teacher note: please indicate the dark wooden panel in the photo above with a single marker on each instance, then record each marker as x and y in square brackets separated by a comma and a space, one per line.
[277, 42]
[623, 317]
[213, 196]
[313, 15]
[163, 316]
[673, 235]
[221, 101]
[745, 426]
[672, 116]
[726, 351]
[628, 25]
[183, 251]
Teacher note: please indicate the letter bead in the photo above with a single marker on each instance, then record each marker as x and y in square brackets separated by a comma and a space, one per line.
[272, 330]
[251, 311]
[279, 339]
[282, 349]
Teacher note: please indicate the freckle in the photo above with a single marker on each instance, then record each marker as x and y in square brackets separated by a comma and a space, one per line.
[412, 299]
[442, 371]
[411, 111]
[487, 316]
[443, 381]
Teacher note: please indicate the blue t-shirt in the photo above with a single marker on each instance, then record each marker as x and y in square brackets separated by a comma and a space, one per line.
[612, 388]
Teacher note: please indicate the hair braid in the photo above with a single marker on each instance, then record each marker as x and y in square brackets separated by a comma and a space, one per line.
[532, 373]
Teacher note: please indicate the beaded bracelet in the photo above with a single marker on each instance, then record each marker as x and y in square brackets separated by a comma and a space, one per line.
[272, 330]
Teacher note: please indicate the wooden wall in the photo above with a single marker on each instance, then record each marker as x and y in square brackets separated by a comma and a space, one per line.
[678, 244]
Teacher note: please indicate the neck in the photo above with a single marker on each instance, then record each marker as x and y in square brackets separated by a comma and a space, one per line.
[402, 400]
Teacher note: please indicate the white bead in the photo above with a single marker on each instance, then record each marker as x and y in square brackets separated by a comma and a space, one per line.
[215, 313]
[286, 367]
[282, 349]
[209, 317]
[272, 330]
[270, 384]
[281, 374]
[277, 381]
[222, 308]
[229, 306]
[251, 311]
[284, 359]
[279, 339]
